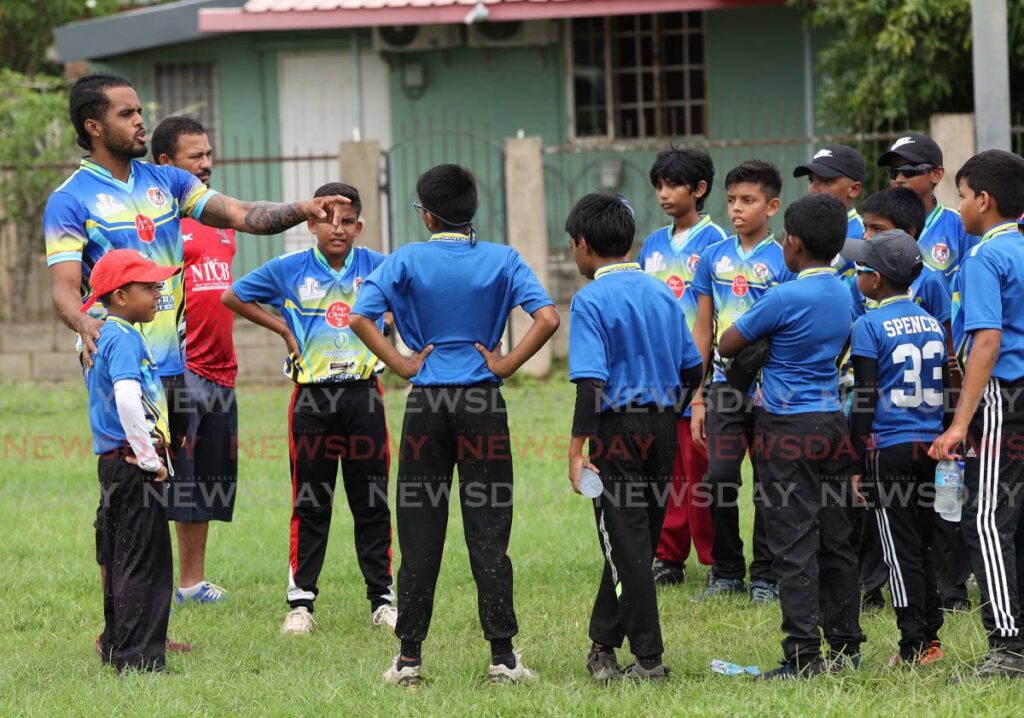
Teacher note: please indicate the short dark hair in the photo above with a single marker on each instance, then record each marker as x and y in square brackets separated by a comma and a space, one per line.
[764, 174]
[899, 205]
[88, 101]
[684, 167]
[449, 193]
[819, 220]
[345, 190]
[999, 173]
[605, 221]
[165, 136]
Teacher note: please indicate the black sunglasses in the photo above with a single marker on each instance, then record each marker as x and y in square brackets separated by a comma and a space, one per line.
[908, 171]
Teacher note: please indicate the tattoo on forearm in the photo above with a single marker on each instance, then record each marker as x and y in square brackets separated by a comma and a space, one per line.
[271, 217]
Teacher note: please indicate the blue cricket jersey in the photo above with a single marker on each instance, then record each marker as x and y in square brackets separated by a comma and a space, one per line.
[988, 293]
[930, 291]
[122, 354]
[845, 268]
[909, 346]
[451, 293]
[93, 212]
[736, 281]
[316, 301]
[808, 323]
[628, 330]
[944, 242]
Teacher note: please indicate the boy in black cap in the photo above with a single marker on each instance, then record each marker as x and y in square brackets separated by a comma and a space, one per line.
[838, 170]
[899, 361]
[915, 161]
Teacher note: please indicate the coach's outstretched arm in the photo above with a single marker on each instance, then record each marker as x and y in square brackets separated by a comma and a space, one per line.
[66, 291]
[226, 212]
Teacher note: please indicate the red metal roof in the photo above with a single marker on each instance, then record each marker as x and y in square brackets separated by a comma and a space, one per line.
[269, 15]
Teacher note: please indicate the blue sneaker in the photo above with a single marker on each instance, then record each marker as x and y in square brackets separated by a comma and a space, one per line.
[791, 672]
[206, 593]
[763, 592]
[721, 586]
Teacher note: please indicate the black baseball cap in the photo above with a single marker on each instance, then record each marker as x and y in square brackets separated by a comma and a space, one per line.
[894, 254]
[915, 148]
[835, 161]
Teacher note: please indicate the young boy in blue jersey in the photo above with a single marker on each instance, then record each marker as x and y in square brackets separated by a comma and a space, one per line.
[128, 417]
[915, 162]
[337, 411]
[682, 181]
[803, 455]
[988, 332]
[635, 365]
[731, 277]
[901, 373]
[451, 297]
[840, 171]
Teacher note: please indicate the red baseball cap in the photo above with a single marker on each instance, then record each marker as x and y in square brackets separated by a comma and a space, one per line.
[119, 267]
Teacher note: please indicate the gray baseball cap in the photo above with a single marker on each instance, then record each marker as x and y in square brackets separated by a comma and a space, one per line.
[894, 254]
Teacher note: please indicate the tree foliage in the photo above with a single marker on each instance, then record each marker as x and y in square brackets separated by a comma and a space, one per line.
[36, 145]
[899, 60]
[26, 29]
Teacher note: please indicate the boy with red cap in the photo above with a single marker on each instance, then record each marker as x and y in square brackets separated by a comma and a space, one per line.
[127, 414]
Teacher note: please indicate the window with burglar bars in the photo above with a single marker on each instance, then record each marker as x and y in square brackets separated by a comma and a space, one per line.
[188, 89]
[639, 76]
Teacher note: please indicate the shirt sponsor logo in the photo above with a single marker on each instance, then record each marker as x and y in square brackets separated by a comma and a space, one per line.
[310, 289]
[145, 227]
[676, 284]
[338, 314]
[654, 263]
[224, 237]
[107, 205]
[761, 270]
[341, 365]
[210, 274]
[692, 262]
[341, 340]
[724, 265]
[165, 303]
[357, 284]
[156, 197]
[940, 252]
[740, 286]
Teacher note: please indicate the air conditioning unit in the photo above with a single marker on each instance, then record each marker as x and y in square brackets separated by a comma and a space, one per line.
[414, 38]
[531, 33]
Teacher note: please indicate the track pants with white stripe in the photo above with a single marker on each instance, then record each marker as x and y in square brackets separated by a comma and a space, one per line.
[331, 424]
[901, 498]
[635, 452]
[994, 498]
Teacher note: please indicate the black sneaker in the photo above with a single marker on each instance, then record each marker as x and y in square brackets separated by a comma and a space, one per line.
[667, 573]
[1000, 663]
[603, 665]
[956, 605]
[790, 672]
[721, 587]
[839, 661]
[872, 600]
[636, 672]
[764, 592]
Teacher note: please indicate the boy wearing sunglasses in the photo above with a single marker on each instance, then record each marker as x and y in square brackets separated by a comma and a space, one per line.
[915, 162]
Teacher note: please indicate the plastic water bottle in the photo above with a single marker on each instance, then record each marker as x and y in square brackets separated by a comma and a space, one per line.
[590, 483]
[949, 489]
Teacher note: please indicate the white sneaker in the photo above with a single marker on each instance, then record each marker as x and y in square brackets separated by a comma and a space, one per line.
[407, 677]
[298, 622]
[386, 615]
[520, 674]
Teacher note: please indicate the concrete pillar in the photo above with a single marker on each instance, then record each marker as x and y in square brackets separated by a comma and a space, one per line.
[360, 167]
[989, 50]
[526, 211]
[955, 135]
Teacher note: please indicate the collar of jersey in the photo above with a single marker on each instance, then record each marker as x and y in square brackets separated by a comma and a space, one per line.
[327, 265]
[852, 214]
[118, 320]
[815, 271]
[757, 247]
[616, 268]
[1001, 228]
[690, 233]
[892, 300]
[932, 217]
[103, 173]
[449, 237]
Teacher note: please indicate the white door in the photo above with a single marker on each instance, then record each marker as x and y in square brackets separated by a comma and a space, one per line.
[318, 107]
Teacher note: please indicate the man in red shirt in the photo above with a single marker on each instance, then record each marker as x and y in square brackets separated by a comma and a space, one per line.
[206, 470]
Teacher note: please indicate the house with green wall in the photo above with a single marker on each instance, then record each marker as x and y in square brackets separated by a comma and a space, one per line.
[604, 85]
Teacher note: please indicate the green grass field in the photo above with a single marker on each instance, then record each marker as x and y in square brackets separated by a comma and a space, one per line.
[51, 608]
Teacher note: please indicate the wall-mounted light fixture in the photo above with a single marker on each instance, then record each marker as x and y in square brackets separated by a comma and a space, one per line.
[609, 174]
[414, 78]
